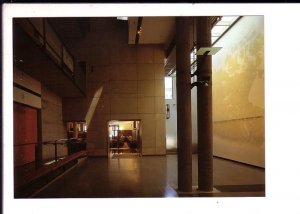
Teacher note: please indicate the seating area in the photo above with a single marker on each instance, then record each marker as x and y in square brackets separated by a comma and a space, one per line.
[120, 146]
[125, 141]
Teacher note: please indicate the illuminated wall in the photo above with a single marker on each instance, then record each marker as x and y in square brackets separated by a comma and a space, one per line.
[171, 122]
[238, 93]
[125, 125]
[124, 82]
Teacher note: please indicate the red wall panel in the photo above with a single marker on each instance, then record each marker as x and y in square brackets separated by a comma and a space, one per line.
[25, 134]
[24, 154]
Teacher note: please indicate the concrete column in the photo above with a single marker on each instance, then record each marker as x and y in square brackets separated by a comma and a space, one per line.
[184, 123]
[204, 106]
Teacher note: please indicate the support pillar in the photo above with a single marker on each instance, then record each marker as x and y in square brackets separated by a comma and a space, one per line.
[184, 122]
[204, 106]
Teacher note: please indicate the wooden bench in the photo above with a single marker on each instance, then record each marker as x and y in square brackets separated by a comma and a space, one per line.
[28, 183]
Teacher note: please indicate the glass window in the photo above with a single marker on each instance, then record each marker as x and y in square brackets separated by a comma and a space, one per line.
[168, 88]
[218, 30]
[221, 26]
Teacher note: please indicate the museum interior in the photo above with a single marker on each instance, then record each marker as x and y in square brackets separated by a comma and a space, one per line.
[138, 107]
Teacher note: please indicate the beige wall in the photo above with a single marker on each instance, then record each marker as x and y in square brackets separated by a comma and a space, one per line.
[51, 110]
[238, 93]
[53, 127]
[126, 83]
[28, 82]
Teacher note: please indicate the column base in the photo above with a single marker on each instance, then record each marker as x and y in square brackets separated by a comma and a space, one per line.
[196, 191]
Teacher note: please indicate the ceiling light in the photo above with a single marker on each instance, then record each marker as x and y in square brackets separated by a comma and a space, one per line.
[139, 31]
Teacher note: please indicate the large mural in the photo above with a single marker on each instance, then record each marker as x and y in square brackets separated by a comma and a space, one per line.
[238, 92]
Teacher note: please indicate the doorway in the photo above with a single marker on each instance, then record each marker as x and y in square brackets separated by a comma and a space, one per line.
[124, 138]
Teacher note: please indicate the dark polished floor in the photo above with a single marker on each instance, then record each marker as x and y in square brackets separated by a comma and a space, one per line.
[150, 176]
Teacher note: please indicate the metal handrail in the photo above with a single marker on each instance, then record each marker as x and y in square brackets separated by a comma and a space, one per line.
[55, 142]
[58, 142]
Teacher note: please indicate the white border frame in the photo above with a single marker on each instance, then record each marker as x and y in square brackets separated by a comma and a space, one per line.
[282, 87]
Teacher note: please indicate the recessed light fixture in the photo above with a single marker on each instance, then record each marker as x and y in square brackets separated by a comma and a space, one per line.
[139, 31]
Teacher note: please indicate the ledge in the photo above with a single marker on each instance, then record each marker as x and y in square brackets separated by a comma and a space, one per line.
[28, 182]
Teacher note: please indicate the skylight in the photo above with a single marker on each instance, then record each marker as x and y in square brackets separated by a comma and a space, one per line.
[221, 27]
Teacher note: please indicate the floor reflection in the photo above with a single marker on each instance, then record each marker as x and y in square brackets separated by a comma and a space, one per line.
[148, 176]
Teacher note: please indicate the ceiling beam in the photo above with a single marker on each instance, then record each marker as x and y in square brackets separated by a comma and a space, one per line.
[132, 26]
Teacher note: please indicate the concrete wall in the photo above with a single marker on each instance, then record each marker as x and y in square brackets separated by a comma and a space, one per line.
[126, 82]
[26, 81]
[238, 93]
[50, 104]
[53, 127]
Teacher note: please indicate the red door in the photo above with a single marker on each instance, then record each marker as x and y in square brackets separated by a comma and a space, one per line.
[25, 134]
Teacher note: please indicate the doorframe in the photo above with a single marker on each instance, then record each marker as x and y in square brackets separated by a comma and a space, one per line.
[139, 135]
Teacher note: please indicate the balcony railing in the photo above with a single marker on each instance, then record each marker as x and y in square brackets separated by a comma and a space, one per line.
[74, 145]
[42, 33]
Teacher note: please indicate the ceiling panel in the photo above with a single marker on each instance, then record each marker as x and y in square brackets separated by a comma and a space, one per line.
[157, 30]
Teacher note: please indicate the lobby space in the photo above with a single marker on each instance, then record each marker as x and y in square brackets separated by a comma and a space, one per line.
[151, 176]
[100, 103]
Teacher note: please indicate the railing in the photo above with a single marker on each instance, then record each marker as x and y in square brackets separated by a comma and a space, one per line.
[55, 143]
[74, 145]
[45, 36]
